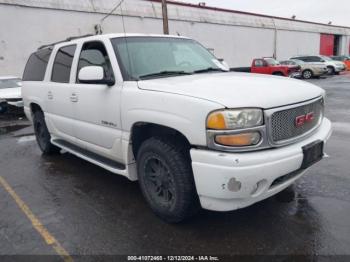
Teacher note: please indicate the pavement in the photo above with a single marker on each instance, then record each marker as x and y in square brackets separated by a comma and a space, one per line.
[62, 205]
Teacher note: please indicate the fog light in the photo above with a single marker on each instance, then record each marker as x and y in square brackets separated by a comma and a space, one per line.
[259, 187]
[245, 139]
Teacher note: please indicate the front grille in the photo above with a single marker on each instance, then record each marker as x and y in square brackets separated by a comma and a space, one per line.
[283, 125]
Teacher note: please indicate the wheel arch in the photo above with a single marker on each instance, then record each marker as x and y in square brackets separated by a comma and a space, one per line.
[277, 73]
[34, 107]
[141, 131]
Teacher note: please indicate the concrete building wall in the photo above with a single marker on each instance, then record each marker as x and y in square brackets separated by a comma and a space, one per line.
[238, 38]
[291, 43]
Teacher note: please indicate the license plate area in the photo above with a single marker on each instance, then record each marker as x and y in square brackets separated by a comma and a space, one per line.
[312, 153]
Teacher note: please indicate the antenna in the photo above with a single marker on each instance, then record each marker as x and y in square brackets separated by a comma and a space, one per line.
[98, 27]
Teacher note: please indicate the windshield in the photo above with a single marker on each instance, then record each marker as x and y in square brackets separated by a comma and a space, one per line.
[153, 57]
[10, 83]
[271, 61]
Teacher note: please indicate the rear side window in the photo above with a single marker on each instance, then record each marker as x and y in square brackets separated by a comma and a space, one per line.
[314, 59]
[36, 66]
[63, 64]
[302, 58]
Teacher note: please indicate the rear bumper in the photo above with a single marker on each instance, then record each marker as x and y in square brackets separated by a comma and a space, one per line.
[229, 181]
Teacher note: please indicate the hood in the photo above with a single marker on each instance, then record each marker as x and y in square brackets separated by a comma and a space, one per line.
[234, 90]
[337, 63]
[9, 93]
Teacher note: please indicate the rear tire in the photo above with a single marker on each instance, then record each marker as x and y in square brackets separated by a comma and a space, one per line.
[307, 74]
[166, 179]
[42, 134]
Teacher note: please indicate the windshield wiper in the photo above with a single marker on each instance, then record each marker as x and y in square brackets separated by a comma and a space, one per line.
[165, 73]
[209, 69]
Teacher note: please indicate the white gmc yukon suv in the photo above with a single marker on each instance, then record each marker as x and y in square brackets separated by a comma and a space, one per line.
[164, 111]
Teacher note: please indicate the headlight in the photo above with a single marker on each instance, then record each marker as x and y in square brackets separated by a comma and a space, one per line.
[235, 119]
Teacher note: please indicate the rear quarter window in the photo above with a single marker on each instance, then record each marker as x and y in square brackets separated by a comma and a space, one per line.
[36, 66]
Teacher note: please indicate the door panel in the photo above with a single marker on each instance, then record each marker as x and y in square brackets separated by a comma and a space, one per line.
[98, 114]
[59, 108]
[97, 110]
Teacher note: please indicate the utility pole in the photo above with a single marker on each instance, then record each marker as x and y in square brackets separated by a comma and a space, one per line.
[165, 17]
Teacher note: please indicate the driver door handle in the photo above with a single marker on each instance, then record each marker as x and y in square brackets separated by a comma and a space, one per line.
[74, 98]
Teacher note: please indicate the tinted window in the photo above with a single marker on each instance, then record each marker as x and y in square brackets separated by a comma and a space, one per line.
[63, 64]
[314, 59]
[259, 63]
[36, 66]
[95, 54]
[302, 58]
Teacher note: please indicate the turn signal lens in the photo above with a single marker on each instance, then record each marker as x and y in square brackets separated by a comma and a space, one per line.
[238, 140]
[216, 120]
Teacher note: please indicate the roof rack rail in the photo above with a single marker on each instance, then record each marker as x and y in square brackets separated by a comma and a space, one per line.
[62, 41]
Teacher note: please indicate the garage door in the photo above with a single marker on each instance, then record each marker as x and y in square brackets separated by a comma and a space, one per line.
[327, 44]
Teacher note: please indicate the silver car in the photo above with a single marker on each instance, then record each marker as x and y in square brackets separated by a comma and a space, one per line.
[308, 70]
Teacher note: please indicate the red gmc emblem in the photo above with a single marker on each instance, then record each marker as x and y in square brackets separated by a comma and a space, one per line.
[303, 119]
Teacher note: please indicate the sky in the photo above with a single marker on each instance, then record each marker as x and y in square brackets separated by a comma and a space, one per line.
[322, 11]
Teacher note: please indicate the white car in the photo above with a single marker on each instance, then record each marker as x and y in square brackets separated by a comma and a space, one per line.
[164, 111]
[334, 67]
[10, 92]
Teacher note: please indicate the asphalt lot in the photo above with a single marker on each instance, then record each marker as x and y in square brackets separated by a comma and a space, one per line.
[90, 211]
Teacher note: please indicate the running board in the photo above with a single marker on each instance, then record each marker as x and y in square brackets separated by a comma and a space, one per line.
[106, 163]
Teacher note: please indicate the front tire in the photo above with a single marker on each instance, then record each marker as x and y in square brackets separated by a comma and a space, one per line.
[307, 74]
[42, 134]
[166, 179]
[331, 70]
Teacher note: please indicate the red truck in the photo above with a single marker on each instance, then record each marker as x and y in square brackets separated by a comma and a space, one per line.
[270, 66]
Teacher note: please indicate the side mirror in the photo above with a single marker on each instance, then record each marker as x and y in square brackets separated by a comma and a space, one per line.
[94, 75]
[322, 60]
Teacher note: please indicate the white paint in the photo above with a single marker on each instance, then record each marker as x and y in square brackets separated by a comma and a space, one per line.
[91, 73]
